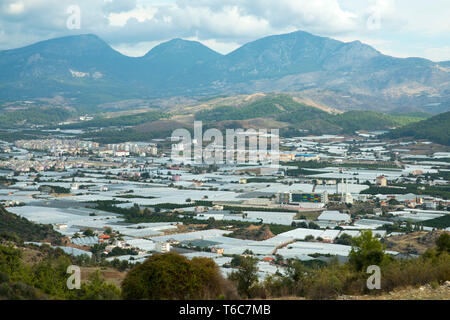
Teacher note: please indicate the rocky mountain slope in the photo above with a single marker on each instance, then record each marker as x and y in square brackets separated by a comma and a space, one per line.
[335, 74]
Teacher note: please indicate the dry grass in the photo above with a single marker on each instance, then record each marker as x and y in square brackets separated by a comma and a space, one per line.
[109, 274]
[426, 292]
[416, 242]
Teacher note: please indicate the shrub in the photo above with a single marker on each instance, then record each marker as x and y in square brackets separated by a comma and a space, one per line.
[172, 276]
[415, 272]
[443, 242]
[246, 276]
[367, 250]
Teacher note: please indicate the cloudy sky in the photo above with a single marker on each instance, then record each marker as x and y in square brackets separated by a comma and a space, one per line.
[400, 28]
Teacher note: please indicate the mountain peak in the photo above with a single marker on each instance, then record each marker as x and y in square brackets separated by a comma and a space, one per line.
[178, 54]
[291, 62]
[179, 46]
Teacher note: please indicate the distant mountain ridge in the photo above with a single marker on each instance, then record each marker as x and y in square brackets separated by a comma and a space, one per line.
[88, 70]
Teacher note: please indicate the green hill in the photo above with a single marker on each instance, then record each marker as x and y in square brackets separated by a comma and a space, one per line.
[37, 116]
[12, 225]
[300, 116]
[263, 108]
[280, 110]
[122, 121]
[436, 129]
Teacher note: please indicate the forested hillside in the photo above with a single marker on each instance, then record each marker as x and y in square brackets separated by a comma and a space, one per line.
[436, 129]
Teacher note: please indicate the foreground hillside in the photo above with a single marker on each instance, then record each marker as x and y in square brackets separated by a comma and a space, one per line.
[30, 272]
[15, 227]
[436, 129]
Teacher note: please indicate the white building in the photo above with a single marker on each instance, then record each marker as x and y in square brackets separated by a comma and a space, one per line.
[335, 216]
[162, 247]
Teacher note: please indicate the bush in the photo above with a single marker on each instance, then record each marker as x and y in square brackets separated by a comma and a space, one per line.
[443, 243]
[416, 272]
[172, 276]
[367, 250]
[246, 276]
[97, 289]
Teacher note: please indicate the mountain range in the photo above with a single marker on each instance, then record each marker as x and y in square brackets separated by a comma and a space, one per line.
[85, 70]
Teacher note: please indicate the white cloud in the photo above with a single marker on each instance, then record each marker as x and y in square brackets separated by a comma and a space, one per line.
[438, 54]
[134, 25]
[16, 8]
[139, 13]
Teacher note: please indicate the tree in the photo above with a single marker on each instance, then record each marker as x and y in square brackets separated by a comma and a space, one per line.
[88, 233]
[366, 251]
[97, 289]
[344, 239]
[246, 276]
[443, 243]
[393, 202]
[9, 260]
[173, 276]
[313, 225]
[212, 224]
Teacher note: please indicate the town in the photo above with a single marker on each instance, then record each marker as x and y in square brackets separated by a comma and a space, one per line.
[128, 201]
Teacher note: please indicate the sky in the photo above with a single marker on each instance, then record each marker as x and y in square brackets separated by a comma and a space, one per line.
[401, 28]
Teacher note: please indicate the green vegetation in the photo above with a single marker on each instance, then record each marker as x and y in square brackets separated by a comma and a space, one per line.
[324, 164]
[13, 227]
[11, 136]
[35, 115]
[328, 281]
[436, 191]
[241, 209]
[344, 239]
[440, 223]
[284, 108]
[54, 189]
[436, 129]
[117, 251]
[137, 215]
[320, 122]
[261, 180]
[6, 181]
[366, 251]
[124, 135]
[122, 121]
[440, 174]
[133, 196]
[443, 243]
[46, 279]
[172, 276]
[370, 120]
[278, 228]
[246, 276]
[301, 172]
[260, 109]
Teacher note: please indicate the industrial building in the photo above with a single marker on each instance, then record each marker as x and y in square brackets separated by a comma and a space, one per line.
[303, 199]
